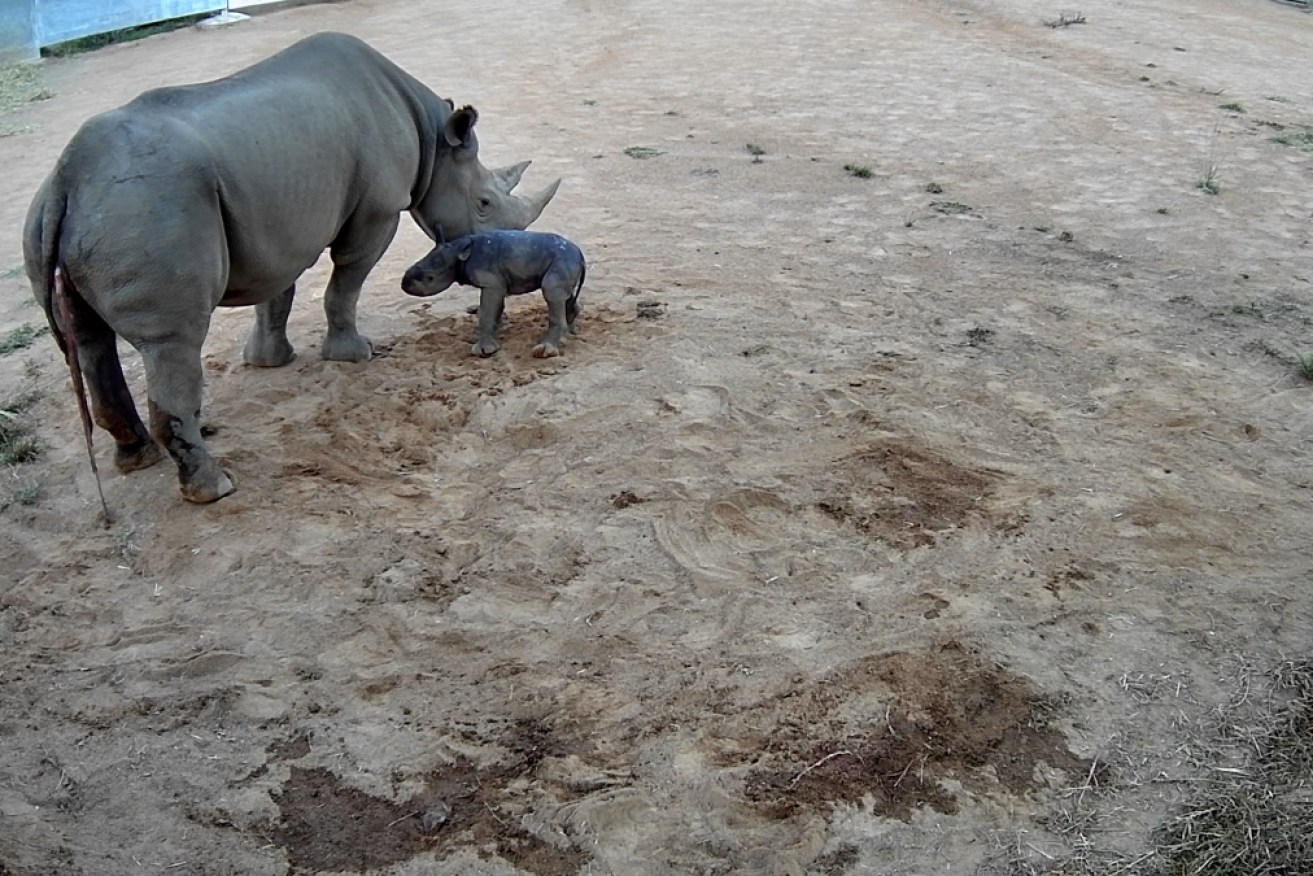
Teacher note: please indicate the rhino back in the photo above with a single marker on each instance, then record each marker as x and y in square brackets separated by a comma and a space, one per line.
[276, 157]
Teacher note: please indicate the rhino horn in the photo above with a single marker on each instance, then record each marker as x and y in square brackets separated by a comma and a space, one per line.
[509, 177]
[535, 204]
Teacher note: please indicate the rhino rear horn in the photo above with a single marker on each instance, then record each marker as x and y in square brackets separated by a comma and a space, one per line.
[509, 177]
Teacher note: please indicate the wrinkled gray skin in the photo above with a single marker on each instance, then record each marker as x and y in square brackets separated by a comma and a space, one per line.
[502, 263]
[222, 194]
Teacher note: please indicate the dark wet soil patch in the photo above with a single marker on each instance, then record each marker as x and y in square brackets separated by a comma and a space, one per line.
[946, 714]
[905, 496]
[328, 826]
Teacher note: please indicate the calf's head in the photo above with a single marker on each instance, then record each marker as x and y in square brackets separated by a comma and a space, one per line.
[437, 270]
[463, 196]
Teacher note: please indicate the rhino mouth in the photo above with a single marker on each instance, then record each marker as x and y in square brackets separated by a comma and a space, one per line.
[421, 284]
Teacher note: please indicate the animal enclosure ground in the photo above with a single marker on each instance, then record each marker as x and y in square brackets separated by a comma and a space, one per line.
[949, 514]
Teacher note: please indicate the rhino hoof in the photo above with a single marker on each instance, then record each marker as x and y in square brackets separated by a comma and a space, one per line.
[204, 493]
[546, 351]
[262, 355]
[348, 348]
[485, 348]
[138, 456]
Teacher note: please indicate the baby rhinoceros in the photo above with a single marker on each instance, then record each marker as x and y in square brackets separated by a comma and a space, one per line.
[502, 263]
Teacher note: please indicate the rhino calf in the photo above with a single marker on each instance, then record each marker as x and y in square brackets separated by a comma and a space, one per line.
[502, 263]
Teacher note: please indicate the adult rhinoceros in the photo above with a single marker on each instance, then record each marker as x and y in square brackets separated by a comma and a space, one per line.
[222, 194]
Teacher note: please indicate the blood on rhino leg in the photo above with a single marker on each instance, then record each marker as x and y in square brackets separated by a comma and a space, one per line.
[200, 478]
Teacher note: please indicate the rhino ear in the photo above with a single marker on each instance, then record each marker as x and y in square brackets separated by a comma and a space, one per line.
[465, 251]
[459, 129]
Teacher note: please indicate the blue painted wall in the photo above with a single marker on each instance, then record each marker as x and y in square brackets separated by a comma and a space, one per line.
[26, 26]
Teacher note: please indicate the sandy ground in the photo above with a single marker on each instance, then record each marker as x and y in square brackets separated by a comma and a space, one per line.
[931, 508]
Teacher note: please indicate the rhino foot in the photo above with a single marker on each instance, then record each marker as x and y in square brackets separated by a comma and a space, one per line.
[485, 348]
[546, 350]
[353, 347]
[135, 457]
[265, 352]
[211, 487]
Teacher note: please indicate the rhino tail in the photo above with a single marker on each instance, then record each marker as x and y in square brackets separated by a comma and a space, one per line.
[41, 252]
[583, 272]
[60, 302]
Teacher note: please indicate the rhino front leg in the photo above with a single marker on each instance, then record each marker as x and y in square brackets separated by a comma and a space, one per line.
[501, 319]
[268, 346]
[355, 252]
[492, 304]
[174, 382]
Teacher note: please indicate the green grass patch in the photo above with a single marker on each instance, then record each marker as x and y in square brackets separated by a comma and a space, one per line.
[641, 152]
[861, 171]
[949, 208]
[124, 35]
[1304, 367]
[28, 494]
[754, 149]
[1263, 311]
[1299, 136]
[17, 444]
[1232, 107]
[21, 337]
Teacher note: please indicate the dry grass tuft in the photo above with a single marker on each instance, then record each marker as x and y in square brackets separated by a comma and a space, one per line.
[19, 85]
[1247, 807]
[1256, 819]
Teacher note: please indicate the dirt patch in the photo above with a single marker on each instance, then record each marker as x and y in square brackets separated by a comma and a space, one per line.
[811, 423]
[292, 748]
[327, 825]
[949, 715]
[906, 495]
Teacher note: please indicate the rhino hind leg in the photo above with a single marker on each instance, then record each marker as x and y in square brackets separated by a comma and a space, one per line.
[174, 381]
[268, 346]
[562, 308]
[112, 406]
[572, 313]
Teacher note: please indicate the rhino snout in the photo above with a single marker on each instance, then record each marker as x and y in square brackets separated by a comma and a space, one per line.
[421, 282]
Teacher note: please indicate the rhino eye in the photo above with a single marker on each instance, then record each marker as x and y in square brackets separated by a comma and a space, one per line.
[484, 203]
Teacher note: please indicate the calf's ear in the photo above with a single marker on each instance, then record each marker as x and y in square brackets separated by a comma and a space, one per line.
[465, 251]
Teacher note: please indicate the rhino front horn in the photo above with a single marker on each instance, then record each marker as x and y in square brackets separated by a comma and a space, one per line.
[537, 203]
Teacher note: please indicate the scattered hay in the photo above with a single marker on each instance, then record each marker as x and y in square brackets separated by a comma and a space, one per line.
[19, 86]
[1254, 820]
[1247, 810]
